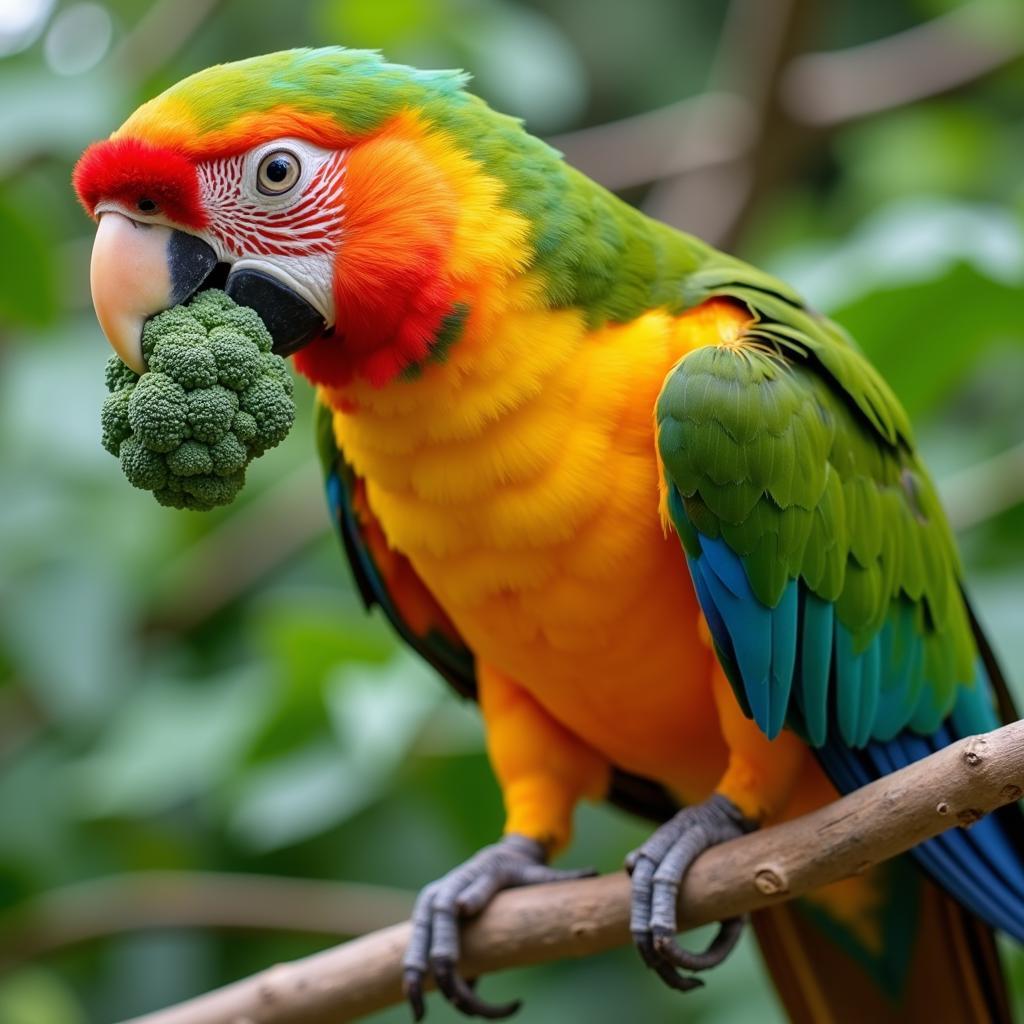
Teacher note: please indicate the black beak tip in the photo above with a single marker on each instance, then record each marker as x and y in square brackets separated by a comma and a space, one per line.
[291, 320]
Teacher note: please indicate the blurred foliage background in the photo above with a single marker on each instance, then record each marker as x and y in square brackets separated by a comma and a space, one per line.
[186, 694]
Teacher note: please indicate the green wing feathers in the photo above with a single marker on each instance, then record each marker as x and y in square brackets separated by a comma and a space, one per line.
[792, 475]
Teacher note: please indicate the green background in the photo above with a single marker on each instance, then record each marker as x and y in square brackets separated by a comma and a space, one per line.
[203, 692]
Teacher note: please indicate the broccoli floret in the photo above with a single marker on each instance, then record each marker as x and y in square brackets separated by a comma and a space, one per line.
[118, 376]
[174, 324]
[244, 427]
[210, 412]
[158, 412]
[274, 366]
[144, 468]
[208, 491]
[228, 455]
[274, 412]
[114, 419]
[213, 398]
[208, 308]
[190, 459]
[172, 498]
[247, 322]
[189, 362]
[238, 358]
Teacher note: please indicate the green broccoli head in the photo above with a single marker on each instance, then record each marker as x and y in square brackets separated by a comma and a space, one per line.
[213, 399]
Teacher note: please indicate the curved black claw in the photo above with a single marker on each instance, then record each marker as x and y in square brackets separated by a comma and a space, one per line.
[464, 892]
[658, 868]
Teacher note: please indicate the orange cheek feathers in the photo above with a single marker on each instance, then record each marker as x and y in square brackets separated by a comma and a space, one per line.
[390, 291]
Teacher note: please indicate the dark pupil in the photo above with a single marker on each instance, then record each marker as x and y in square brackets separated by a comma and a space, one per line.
[147, 205]
[277, 170]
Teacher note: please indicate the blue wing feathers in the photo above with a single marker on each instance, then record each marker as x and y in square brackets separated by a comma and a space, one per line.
[871, 672]
[726, 566]
[748, 626]
[762, 640]
[979, 866]
[861, 709]
[815, 663]
[784, 634]
[849, 667]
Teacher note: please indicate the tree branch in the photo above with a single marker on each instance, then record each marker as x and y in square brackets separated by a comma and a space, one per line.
[955, 786]
[820, 91]
[159, 35]
[823, 90]
[194, 899]
[985, 490]
[759, 39]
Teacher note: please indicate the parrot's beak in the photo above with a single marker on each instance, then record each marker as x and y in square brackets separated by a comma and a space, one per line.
[290, 319]
[138, 270]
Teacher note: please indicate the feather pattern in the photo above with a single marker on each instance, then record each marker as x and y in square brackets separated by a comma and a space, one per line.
[832, 590]
[385, 579]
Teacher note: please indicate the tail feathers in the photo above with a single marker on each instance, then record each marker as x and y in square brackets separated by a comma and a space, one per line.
[983, 866]
[938, 964]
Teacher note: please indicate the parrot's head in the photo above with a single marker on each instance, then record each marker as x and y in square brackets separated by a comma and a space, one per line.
[335, 194]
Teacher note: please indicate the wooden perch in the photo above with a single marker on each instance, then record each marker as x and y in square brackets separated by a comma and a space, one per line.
[955, 786]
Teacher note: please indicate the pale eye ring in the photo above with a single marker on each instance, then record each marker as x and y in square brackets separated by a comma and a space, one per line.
[278, 172]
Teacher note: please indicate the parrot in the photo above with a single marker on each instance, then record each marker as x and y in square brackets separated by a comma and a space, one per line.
[658, 517]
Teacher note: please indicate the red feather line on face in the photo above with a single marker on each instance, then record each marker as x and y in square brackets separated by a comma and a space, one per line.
[310, 227]
[128, 171]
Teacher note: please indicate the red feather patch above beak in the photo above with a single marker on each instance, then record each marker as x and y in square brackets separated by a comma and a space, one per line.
[150, 179]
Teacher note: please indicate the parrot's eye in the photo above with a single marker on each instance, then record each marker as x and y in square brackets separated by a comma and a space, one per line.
[278, 172]
[146, 205]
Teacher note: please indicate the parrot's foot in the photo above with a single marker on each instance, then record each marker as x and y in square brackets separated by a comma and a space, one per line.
[464, 892]
[658, 868]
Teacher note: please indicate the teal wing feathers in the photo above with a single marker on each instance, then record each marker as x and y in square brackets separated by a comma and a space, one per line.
[826, 569]
[815, 537]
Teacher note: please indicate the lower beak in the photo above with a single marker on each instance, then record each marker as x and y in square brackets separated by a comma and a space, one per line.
[138, 270]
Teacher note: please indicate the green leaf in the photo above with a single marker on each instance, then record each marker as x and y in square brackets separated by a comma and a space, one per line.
[377, 714]
[28, 284]
[170, 741]
[924, 337]
[38, 996]
[69, 634]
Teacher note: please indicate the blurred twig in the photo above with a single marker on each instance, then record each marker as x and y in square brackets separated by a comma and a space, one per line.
[187, 899]
[758, 40]
[551, 922]
[817, 91]
[701, 131]
[21, 720]
[829, 89]
[985, 490]
[158, 36]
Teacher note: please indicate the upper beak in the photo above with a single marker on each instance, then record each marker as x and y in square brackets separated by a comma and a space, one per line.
[138, 270]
